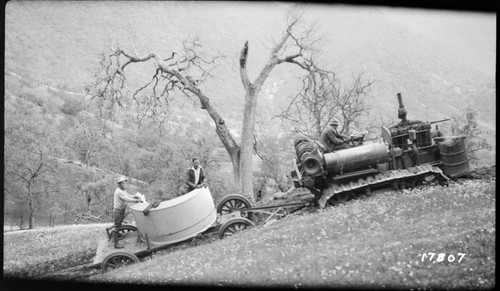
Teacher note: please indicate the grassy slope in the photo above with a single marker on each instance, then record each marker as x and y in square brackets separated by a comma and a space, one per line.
[29, 247]
[375, 242]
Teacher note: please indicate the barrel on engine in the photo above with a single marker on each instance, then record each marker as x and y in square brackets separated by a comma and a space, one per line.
[454, 156]
[358, 158]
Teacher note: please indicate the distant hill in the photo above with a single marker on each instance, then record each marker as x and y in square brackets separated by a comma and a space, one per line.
[58, 43]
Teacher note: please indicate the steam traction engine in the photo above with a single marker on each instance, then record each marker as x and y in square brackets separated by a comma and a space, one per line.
[411, 154]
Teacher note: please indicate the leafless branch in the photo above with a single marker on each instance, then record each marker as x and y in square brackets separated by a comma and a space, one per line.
[321, 99]
[259, 153]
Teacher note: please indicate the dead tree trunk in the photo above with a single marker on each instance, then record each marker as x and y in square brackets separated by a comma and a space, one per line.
[31, 208]
[252, 91]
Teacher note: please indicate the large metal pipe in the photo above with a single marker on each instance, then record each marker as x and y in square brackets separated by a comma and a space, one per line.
[357, 158]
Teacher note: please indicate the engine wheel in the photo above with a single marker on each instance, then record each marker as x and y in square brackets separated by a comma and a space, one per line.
[233, 226]
[118, 260]
[124, 229]
[430, 179]
[340, 198]
[234, 202]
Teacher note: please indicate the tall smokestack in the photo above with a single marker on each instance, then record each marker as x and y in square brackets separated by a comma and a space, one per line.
[401, 111]
[400, 99]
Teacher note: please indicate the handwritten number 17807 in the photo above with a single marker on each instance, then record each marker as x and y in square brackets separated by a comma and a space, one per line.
[441, 257]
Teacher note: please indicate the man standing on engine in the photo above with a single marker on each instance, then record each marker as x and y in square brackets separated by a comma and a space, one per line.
[332, 139]
[120, 200]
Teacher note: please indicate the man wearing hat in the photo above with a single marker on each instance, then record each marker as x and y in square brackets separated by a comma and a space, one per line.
[120, 200]
[332, 139]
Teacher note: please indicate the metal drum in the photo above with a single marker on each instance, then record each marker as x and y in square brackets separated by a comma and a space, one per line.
[454, 156]
[178, 219]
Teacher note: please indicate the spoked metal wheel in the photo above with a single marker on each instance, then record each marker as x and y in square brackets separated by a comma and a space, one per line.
[234, 226]
[232, 203]
[118, 260]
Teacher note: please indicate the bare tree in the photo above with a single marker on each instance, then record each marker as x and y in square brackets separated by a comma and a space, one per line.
[173, 74]
[185, 70]
[90, 190]
[54, 211]
[295, 48]
[323, 99]
[28, 149]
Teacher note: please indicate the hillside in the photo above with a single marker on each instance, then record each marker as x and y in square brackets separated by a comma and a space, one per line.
[42, 38]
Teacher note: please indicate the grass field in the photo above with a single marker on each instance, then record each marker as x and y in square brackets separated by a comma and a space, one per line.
[383, 241]
[29, 247]
[430, 238]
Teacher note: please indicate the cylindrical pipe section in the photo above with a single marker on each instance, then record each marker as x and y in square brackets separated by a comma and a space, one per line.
[357, 158]
[164, 225]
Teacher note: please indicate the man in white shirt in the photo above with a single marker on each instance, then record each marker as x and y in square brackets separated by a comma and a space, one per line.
[120, 200]
[195, 178]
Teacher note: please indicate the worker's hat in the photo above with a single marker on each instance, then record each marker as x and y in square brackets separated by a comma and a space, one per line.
[121, 179]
